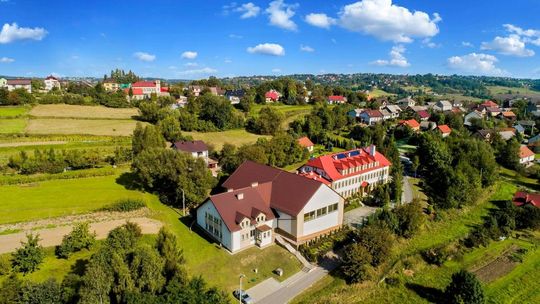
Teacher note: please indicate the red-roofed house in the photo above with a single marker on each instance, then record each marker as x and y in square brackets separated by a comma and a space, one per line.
[445, 130]
[137, 93]
[423, 115]
[349, 172]
[13, 84]
[262, 201]
[371, 117]
[272, 96]
[526, 156]
[411, 123]
[148, 87]
[522, 198]
[336, 99]
[306, 143]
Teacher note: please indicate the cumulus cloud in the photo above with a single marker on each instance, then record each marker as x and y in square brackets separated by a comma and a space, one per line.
[203, 71]
[387, 21]
[143, 56]
[6, 60]
[248, 10]
[271, 49]
[12, 32]
[320, 20]
[480, 64]
[397, 59]
[511, 45]
[189, 55]
[306, 48]
[521, 32]
[280, 14]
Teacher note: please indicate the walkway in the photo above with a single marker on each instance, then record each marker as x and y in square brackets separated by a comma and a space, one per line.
[53, 236]
[407, 194]
[355, 217]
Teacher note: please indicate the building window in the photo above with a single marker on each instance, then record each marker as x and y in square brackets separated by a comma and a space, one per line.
[321, 212]
[332, 207]
[309, 216]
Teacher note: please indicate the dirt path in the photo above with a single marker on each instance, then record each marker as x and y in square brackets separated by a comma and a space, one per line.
[53, 236]
[32, 143]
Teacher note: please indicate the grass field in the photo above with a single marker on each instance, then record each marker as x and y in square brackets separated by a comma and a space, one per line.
[13, 111]
[16, 125]
[289, 112]
[88, 112]
[236, 137]
[495, 90]
[81, 126]
[379, 93]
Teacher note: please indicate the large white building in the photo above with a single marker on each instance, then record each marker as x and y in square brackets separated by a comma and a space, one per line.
[51, 82]
[350, 172]
[13, 84]
[261, 201]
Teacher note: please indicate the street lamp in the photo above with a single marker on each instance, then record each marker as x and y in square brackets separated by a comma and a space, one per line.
[183, 201]
[240, 291]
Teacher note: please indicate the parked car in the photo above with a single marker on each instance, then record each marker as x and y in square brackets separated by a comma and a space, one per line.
[246, 299]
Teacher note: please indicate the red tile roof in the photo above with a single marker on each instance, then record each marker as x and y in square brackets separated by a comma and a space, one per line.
[305, 142]
[285, 191]
[423, 114]
[191, 146]
[143, 84]
[336, 98]
[332, 164]
[522, 198]
[412, 123]
[373, 113]
[489, 103]
[136, 91]
[525, 152]
[272, 95]
[444, 129]
[19, 82]
[508, 114]
[164, 89]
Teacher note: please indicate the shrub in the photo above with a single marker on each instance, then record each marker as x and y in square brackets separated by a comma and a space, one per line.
[80, 238]
[357, 262]
[5, 264]
[27, 258]
[125, 205]
[464, 288]
[436, 256]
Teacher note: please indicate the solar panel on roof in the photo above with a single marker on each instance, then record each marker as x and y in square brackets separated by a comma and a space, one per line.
[341, 156]
[354, 153]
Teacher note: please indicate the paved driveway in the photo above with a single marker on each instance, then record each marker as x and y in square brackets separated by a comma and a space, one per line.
[355, 217]
[407, 194]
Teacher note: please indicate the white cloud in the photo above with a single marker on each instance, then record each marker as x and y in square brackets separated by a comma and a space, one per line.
[248, 10]
[142, 56]
[280, 14]
[466, 44]
[511, 45]
[430, 44]
[396, 58]
[320, 20]
[189, 55]
[227, 61]
[482, 64]
[276, 70]
[306, 48]
[12, 32]
[203, 71]
[191, 64]
[387, 21]
[6, 60]
[272, 49]
[521, 32]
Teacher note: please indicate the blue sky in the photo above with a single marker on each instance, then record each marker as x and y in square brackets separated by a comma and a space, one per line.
[194, 39]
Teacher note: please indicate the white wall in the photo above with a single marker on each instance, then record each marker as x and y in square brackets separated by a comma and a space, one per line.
[208, 207]
[284, 222]
[323, 197]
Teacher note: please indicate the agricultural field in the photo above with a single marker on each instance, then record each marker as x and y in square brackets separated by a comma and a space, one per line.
[88, 112]
[13, 111]
[111, 127]
[236, 137]
[12, 125]
[379, 93]
[496, 90]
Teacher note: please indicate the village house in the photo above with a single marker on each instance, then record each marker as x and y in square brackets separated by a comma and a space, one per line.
[522, 198]
[195, 90]
[386, 114]
[371, 117]
[357, 171]
[443, 106]
[428, 125]
[423, 115]
[394, 110]
[13, 84]
[444, 130]
[262, 202]
[3, 83]
[406, 103]
[336, 99]
[234, 96]
[216, 91]
[111, 85]
[272, 96]
[508, 115]
[410, 123]
[306, 143]
[355, 113]
[469, 118]
[526, 156]
[534, 143]
[51, 82]
[197, 149]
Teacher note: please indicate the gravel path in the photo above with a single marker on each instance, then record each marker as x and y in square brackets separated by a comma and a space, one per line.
[53, 236]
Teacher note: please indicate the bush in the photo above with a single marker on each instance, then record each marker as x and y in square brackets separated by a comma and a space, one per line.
[436, 256]
[27, 258]
[5, 265]
[464, 288]
[125, 205]
[357, 262]
[80, 238]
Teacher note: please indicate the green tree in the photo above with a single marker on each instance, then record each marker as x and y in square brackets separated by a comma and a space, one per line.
[377, 241]
[357, 262]
[48, 292]
[146, 269]
[79, 238]
[170, 128]
[173, 257]
[11, 290]
[410, 218]
[268, 122]
[29, 256]
[464, 289]
[145, 138]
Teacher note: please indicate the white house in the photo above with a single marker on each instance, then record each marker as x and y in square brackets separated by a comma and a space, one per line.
[467, 120]
[406, 102]
[394, 110]
[261, 201]
[371, 117]
[3, 83]
[197, 148]
[526, 156]
[13, 84]
[443, 106]
[51, 82]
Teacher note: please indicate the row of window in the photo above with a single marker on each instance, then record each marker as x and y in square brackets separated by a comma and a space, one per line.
[360, 178]
[245, 223]
[320, 212]
[359, 168]
[213, 225]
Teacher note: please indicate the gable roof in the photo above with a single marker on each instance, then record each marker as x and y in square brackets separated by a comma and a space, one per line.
[522, 198]
[373, 113]
[525, 152]
[489, 103]
[272, 95]
[305, 142]
[191, 146]
[287, 192]
[412, 123]
[444, 129]
[19, 82]
[423, 114]
[336, 98]
[143, 84]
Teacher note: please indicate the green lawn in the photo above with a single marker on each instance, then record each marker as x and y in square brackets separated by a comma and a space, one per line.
[495, 90]
[16, 125]
[54, 198]
[379, 93]
[13, 111]
[236, 137]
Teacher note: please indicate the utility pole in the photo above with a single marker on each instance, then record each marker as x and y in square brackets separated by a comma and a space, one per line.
[241, 291]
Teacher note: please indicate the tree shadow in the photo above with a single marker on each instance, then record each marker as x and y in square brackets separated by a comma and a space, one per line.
[127, 179]
[432, 294]
[79, 267]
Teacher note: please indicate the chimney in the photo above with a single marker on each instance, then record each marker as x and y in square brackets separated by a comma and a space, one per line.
[230, 189]
[372, 150]
[240, 196]
[254, 184]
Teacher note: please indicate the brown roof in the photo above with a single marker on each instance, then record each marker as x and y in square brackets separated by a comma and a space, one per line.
[305, 142]
[19, 82]
[288, 192]
[525, 152]
[190, 146]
